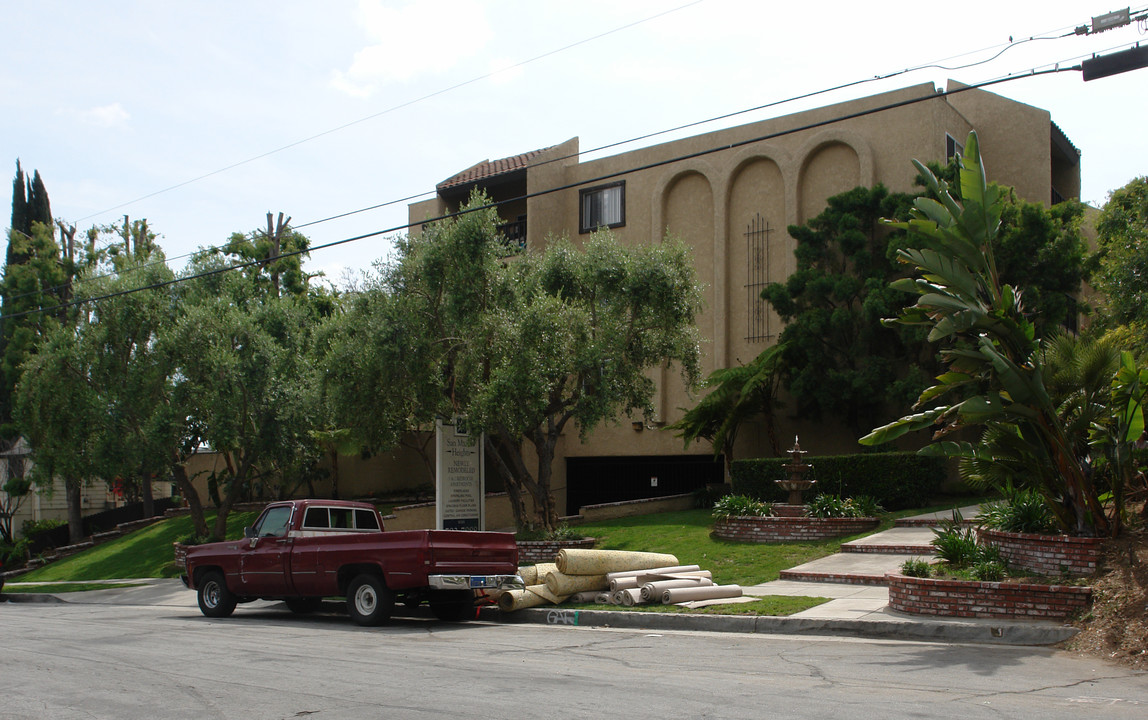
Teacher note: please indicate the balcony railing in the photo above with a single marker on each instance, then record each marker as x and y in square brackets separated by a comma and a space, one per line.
[515, 233]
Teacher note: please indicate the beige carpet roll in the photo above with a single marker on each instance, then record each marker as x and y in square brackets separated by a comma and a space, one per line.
[651, 576]
[653, 571]
[542, 570]
[519, 599]
[652, 591]
[563, 584]
[597, 562]
[529, 574]
[623, 583]
[582, 598]
[686, 594]
[631, 596]
[602, 598]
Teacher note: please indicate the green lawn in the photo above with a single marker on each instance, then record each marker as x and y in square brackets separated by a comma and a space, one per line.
[687, 535]
[145, 553]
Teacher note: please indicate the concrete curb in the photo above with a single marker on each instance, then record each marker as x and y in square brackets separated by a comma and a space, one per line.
[999, 632]
[30, 598]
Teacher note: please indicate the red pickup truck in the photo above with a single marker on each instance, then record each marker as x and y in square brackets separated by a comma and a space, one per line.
[301, 551]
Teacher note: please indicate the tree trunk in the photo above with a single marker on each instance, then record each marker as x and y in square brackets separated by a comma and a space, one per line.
[495, 450]
[146, 494]
[74, 490]
[194, 504]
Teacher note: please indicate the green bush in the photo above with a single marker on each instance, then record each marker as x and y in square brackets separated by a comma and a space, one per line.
[832, 506]
[916, 567]
[956, 544]
[741, 506]
[898, 480]
[1022, 511]
[988, 571]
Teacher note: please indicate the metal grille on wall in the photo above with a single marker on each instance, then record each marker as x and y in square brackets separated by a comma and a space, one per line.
[757, 267]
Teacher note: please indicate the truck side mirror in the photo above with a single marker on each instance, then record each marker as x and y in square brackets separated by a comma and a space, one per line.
[249, 532]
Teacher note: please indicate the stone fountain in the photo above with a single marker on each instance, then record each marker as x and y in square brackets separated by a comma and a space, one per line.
[796, 482]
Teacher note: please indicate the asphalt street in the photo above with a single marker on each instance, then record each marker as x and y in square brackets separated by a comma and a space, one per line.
[129, 662]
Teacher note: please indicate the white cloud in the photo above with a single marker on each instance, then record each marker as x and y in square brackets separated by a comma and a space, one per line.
[419, 38]
[112, 115]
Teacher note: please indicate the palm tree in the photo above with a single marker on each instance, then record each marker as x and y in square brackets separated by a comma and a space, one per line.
[739, 394]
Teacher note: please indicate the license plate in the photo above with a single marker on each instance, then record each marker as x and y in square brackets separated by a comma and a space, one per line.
[479, 581]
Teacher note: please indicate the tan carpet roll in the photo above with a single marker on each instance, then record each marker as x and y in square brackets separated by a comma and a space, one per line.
[597, 562]
[562, 584]
[677, 595]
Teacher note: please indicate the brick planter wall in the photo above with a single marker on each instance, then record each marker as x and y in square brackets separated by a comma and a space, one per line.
[785, 529]
[539, 551]
[994, 600]
[1046, 554]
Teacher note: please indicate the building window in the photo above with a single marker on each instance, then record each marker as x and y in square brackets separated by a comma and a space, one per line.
[952, 148]
[602, 206]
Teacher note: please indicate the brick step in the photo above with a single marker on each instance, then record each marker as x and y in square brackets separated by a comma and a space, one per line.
[833, 577]
[888, 549]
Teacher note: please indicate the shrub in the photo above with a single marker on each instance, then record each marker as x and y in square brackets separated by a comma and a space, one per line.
[897, 480]
[916, 567]
[988, 571]
[832, 506]
[955, 543]
[1022, 511]
[741, 506]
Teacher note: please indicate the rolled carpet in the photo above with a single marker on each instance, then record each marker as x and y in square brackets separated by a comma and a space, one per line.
[512, 600]
[602, 598]
[652, 571]
[590, 596]
[563, 584]
[652, 591]
[686, 594]
[631, 596]
[597, 562]
[623, 583]
[529, 574]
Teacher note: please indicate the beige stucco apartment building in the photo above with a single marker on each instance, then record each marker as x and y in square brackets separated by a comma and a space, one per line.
[730, 195]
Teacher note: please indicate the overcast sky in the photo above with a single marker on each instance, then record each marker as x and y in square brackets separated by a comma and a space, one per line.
[203, 116]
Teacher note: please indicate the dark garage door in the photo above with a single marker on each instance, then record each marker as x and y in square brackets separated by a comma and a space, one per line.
[594, 480]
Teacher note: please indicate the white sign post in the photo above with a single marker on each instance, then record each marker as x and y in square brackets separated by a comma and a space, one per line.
[460, 477]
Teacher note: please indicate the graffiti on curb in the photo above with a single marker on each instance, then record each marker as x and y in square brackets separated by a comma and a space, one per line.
[562, 617]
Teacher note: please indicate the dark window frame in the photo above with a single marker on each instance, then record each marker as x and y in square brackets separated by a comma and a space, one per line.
[583, 226]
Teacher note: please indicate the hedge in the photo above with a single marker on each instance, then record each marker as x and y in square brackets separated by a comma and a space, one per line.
[897, 480]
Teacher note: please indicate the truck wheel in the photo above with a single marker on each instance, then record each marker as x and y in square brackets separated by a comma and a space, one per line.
[303, 605]
[452, 605]
[215, 600]
[369, 602]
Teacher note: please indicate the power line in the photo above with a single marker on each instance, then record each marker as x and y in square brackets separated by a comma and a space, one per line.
[562, 188]
[393, 108]
[697, 123]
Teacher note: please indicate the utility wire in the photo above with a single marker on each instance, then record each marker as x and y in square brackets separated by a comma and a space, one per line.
[394, 108]
[717, 118]
[561, 188]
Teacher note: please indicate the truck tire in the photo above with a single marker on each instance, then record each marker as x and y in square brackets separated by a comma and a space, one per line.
[215, 600]
[303, 605]
[369, 602]
[452, 605]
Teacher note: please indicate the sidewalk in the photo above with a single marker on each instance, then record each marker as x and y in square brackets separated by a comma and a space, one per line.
[853, 580]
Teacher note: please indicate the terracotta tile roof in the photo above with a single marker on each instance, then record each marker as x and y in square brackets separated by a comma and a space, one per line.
[490, 168]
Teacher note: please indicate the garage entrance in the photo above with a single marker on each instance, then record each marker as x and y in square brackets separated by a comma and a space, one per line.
[594, 480]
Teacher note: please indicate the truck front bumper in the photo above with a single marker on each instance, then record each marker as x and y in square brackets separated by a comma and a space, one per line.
[477, 582]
